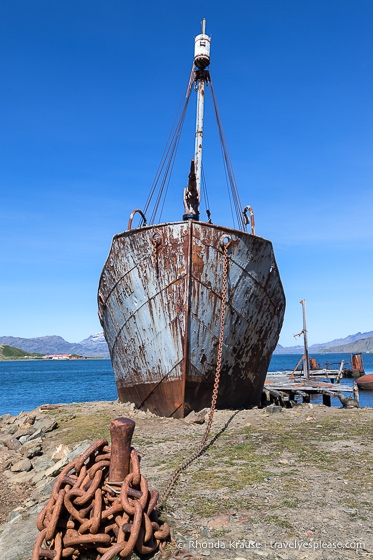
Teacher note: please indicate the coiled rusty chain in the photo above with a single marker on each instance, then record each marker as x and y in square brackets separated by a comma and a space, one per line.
[215, 391]
[85, 512]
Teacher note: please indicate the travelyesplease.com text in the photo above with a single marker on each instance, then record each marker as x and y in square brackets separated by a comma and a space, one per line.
[279, 545]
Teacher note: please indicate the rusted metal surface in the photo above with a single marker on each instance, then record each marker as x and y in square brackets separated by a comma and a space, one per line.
[86, 511]
[313, 364]
[191, 196]
[365, 382]
[121, 431]
[161, 321]
[136, 211]
[357, 364]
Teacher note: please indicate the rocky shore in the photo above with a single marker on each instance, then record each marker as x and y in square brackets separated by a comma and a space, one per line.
[274, 483]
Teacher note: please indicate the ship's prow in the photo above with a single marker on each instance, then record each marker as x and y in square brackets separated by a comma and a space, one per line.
[159, 304]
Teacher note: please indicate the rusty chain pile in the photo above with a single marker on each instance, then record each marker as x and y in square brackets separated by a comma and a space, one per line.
[87, 512]
[225, 245]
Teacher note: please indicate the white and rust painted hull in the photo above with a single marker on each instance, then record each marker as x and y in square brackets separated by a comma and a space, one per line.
[160, 311]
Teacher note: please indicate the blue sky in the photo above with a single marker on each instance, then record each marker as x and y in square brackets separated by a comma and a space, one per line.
[89, 93]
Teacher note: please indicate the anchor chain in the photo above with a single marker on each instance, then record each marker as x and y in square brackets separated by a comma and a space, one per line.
[86, 511]
[215, 391]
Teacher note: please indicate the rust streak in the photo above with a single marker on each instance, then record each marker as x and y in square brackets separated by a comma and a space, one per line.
[144, 304]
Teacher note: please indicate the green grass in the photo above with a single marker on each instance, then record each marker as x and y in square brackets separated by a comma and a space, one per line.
[225, 478]
[11, 352]
[80, 427]
[280, 522]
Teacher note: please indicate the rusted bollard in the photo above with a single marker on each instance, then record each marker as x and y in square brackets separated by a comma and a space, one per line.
[118, 521]
[121, 431]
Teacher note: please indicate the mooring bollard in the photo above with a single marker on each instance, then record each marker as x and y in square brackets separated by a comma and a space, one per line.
[85, 511]
[121, 431]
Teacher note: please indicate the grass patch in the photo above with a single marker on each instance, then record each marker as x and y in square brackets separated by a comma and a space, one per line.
[291, 504]
[81, 427]
[213, 506]
[240, 469]
[13, 353]
[280, 522]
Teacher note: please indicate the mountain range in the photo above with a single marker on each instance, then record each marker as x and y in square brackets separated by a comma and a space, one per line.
[95, 345]
[359, 342]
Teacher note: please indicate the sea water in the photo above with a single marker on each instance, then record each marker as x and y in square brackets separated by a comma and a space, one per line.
[25, 385]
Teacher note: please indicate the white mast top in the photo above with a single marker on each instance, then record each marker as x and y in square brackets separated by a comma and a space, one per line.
[192, 194]
[202, 48]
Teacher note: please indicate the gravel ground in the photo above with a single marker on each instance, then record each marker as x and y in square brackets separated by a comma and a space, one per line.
[292, 484]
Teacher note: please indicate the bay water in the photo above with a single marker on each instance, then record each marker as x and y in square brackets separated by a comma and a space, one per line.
[27, 384]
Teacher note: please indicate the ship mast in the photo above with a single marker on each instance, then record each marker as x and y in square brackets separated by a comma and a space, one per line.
[201, 76]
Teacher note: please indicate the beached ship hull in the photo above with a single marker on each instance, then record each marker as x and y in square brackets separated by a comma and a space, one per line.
[159, 305]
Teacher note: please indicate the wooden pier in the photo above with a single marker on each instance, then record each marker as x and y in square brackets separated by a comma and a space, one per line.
[283, 387]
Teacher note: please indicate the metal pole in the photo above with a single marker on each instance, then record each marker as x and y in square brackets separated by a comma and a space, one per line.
[121, 431]
[306, 367]
[199, 121]
[199, 134]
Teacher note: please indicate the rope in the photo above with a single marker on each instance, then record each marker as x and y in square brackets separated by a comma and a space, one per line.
[214, 398]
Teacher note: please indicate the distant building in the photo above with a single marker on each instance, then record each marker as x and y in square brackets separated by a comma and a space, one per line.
[57, 356]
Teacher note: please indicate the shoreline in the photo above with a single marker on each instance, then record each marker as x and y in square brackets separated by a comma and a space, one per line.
[51, 359]
[268, 477]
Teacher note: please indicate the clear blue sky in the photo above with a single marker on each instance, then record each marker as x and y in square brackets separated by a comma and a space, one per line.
[88, 96]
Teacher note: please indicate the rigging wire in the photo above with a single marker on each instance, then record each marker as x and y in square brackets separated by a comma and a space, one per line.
[233, 214]
[162, 176]
[162, 161]
[228, 189]
[171, 160]
[228, 164]
[168, 180]
[205, 194]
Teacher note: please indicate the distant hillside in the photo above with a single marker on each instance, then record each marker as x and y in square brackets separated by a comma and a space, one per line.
[288, 349]
[338, 342]
[12, 353]
[363, 345]
[352, 342]
[93, 346]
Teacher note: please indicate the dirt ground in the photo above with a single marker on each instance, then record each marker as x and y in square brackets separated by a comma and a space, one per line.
[292, 484]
